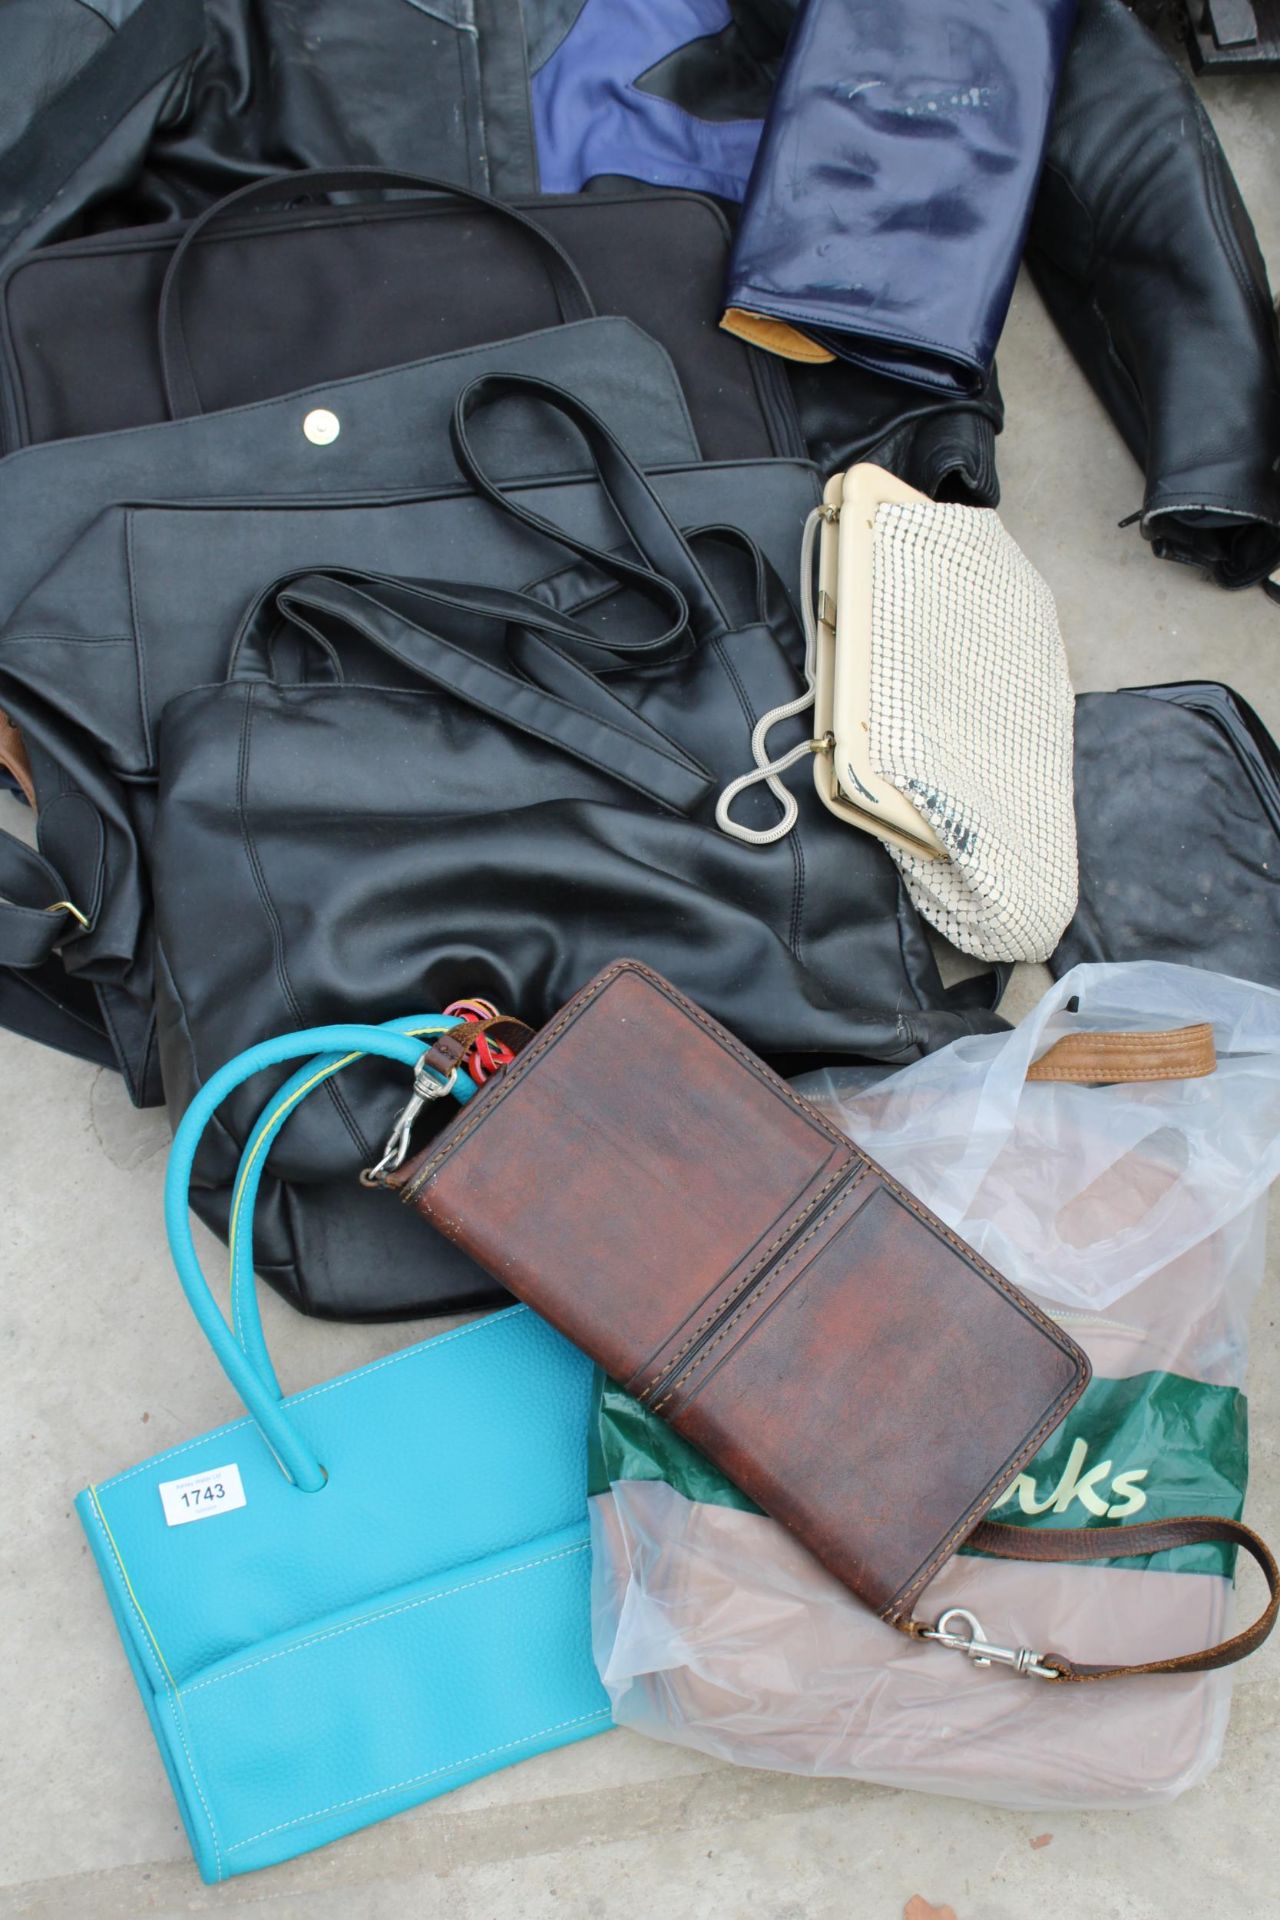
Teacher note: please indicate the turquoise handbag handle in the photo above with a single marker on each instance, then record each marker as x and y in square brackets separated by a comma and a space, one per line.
[246, 1319]
[241, 1363]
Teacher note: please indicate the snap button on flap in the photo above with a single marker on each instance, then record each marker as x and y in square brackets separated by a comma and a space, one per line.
[321, 426]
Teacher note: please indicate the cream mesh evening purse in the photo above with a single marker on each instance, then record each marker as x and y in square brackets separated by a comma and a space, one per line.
[943, 712]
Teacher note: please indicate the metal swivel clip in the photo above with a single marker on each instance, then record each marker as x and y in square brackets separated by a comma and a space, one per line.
[428, 1085]
[981, 1650]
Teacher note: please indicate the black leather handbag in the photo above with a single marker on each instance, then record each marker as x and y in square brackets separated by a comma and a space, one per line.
[85, 666]
[142, 608]
[410, 791]
[259, 296]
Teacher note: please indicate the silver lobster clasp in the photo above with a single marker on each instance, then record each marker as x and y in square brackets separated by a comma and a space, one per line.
[428, 1085]
[983, 1652]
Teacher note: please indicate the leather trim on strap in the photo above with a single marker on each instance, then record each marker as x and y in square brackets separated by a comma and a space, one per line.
[774, 336]
[451, 1048]
[1094, 1059]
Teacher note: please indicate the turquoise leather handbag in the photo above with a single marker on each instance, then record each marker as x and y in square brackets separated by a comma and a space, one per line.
[366, 1593]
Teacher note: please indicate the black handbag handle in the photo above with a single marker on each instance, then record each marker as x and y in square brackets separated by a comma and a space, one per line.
[594, 727]
[667, 561]
[573, 302]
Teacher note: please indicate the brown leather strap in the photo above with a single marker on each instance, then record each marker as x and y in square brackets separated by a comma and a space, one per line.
[1093, 1059]
[13, 757]
[1052, 1544]
[452, 1048]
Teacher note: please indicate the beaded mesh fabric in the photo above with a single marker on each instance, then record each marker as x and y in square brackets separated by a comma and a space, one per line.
[971, 719]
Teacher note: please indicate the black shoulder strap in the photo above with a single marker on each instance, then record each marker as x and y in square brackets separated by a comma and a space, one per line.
[592, 725]
[666, 559]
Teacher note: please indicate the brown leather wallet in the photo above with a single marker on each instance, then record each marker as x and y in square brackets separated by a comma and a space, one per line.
[705, 1234]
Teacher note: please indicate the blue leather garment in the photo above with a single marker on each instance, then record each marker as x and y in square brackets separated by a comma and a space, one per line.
[315, 1660]
[890, 197]
[591, 116]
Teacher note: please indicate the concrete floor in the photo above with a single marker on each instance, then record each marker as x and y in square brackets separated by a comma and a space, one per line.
[104, 1367]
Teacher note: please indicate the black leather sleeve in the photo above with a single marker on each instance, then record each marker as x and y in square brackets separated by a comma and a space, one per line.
[1147, 260]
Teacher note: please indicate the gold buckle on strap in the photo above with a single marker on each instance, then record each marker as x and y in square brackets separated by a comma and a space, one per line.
[65, 906]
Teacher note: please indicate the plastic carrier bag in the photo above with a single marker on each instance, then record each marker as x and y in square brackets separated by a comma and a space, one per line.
[1133, 1214]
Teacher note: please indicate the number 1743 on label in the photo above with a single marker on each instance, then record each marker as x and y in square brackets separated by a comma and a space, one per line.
[200, 1495]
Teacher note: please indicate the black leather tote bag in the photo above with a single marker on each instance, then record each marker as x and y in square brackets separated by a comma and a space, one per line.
[534, 794]
[85, 677]
[258, 297]
[144, 607]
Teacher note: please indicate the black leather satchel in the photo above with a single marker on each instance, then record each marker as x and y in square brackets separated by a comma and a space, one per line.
[260, 296]
[408, 791]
